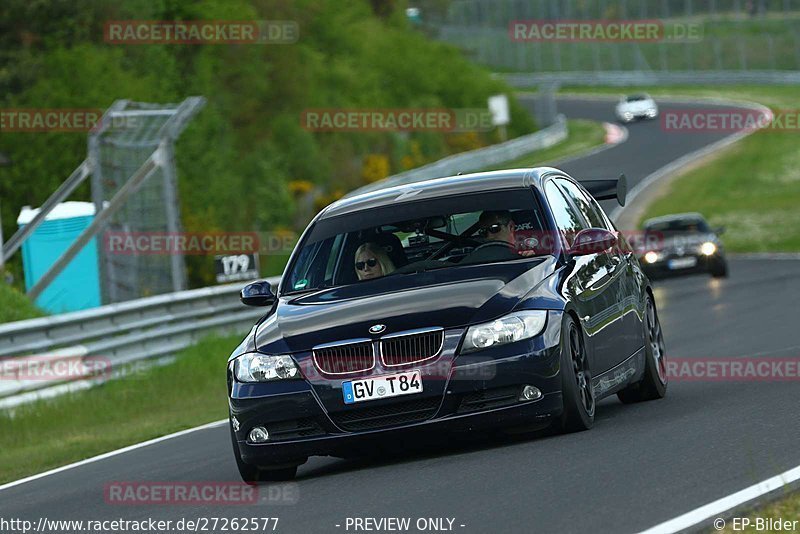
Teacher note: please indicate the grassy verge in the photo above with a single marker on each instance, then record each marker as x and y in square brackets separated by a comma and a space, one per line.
[145, 405]
[787, 509]
[15, 306]
[754, 189]
[583, 135]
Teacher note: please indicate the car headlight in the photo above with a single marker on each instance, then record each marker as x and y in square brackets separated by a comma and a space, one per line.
[513, 327]
[651, 257]
[264, 368]
[708, 248]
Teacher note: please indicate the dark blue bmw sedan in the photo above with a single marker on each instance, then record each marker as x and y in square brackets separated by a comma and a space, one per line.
[504, 299]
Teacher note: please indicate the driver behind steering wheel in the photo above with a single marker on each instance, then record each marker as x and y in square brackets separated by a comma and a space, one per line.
[498, 227]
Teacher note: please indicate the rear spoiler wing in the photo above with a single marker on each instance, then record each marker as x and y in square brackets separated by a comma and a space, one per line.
[608, 189]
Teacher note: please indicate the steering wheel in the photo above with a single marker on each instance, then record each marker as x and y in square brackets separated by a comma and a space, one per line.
[452, 240]
[493, 244]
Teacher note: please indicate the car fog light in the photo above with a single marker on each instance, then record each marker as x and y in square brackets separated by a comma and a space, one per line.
[651, 257]
[235, 424]
[259, 434]
[530, 393]
[708, 248]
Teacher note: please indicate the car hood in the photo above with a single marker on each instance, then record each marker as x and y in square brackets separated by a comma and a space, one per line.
[443, 298]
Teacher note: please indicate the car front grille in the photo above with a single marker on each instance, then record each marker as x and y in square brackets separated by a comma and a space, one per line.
[411, 347]
[396, 350]
[398, 413]
[345, 359]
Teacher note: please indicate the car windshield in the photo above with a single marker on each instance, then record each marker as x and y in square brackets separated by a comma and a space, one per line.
[637, 98]
[679, 226]
[416, 236]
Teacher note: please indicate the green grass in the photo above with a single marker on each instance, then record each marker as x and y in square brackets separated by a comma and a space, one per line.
[15, 306]
[753, 188]
[147, 404]
[583, 135]
[787, 509]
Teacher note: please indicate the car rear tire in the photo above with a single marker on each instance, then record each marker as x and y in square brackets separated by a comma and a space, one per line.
[653, 384]
[253, 474]
[576, 381]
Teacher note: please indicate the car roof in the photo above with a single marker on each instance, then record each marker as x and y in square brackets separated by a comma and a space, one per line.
[675, 217]
[392, 191]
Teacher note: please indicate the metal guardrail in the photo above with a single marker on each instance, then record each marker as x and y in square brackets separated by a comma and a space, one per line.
[626, 78]
[475, 160]
[121, 333]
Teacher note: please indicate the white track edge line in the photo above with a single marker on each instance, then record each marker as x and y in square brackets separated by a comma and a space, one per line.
[720, 506]
[110, 454]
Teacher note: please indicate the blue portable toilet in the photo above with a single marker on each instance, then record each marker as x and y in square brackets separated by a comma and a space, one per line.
[77, 287]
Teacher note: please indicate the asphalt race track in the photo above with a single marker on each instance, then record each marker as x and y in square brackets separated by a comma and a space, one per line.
[640, 465]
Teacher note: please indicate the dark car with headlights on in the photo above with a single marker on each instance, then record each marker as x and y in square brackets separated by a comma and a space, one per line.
[681, 243]
[503, 299]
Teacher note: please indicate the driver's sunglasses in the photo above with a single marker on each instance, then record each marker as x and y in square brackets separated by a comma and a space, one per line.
[492, 228]
[362, 265]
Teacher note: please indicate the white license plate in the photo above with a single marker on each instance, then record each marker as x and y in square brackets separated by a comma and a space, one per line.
[682, 263]
[382, 387]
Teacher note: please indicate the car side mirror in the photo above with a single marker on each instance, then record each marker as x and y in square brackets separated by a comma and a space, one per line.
[592, 241]
[257, 294]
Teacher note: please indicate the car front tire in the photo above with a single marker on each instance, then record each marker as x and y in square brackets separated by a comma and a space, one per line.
[720, 269]
[576, 380]
[253, 474]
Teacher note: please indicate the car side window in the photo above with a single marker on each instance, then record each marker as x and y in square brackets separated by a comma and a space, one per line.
[588, 208]
[568, 220]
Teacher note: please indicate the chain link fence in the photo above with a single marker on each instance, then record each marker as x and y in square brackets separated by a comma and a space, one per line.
[129, 134]
[736, 35]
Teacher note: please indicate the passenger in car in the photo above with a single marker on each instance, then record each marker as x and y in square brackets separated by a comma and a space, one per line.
[372, 261]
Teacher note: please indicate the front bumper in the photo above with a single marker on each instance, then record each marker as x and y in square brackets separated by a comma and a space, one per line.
[475, 394]
[636, 115]
[663, 268]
